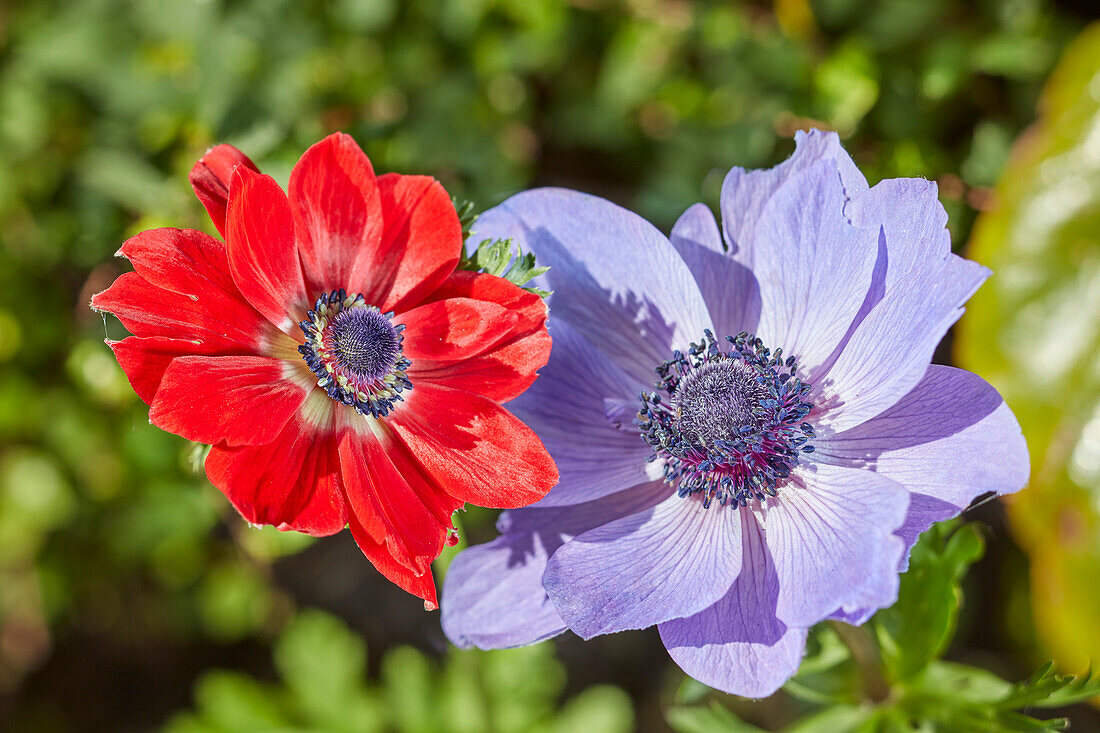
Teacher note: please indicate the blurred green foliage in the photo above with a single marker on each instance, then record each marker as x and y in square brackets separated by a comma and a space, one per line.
[110, 546]
[1034, 331]
[323, 686]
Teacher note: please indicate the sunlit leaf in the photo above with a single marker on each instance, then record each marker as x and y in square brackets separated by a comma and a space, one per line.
[1034, 332]
[919, 627]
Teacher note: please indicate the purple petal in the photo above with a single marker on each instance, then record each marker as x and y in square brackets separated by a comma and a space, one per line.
[738, 645]
[745, 193]
[832, 541]
[924, 511]
[493, 597]
[728, 287]
[616, 279]
[951, 439]
[925, 288]
[647, 568]
[813, 267]
[567, 407]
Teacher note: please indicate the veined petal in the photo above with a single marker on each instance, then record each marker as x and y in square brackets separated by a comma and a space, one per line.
[503, 368]
[472, 447]
[181, 289]
[145, 359]
[500, 374]
[925, 287]
[813, 267]
[293, 482]
[636, 301]
[263, 257]
[236, 400]
[746, 193]
[184, 261]
[738, 645]
[395, 504]
[951, 439]
[337, 212]
[529, 307]
[454, 329]
[420, 584]
[420, 246]
[210, 178]
[146, 310]
[567, 411]
[728, 287]
[493, 595]
[828, 537]
[647, 568]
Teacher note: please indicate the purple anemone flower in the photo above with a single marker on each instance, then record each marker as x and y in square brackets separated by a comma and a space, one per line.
[749, 431]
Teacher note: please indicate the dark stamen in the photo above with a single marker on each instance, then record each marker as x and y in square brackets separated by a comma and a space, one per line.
[355, 351]
[732, 428]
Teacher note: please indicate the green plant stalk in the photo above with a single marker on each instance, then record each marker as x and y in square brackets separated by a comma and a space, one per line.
[865, 653]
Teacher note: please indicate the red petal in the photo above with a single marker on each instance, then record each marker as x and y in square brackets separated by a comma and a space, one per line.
[184, 261]
[501, 375]
[420, 243]
[399, 507]
[145, 359]
[483, 286]
[211, 176]
[182, 289]
[262, 254]
[239, 400]
[337, 212]
[455, 329]
[477, 451]
[505, 370]
[421, 585]
[292, 482]
[212, 322]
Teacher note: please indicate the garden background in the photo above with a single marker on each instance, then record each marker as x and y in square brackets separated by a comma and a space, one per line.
[133, 598]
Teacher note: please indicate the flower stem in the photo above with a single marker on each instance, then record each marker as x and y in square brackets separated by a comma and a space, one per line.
[866, 656]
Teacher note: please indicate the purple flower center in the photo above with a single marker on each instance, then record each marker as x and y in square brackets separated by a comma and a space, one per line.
[729, 425]
[355, 351]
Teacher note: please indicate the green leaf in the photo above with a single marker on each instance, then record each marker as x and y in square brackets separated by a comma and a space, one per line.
[503, 258]
[713, 718]
[828, 674]
[466, 217]
[837, 719]
[948, 680]
[322, 663]
[1034, 332]
[599, 709]
[920, 626]
[235, 702]
[1045, 689]
[958, 697]
[408, 680]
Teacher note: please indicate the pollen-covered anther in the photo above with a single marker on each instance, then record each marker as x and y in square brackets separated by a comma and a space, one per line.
[355, 351]
[728, 424]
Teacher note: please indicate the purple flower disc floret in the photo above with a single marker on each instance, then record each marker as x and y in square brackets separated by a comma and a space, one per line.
[749, 431]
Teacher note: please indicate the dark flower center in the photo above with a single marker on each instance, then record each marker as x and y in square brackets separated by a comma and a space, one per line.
[355, 351]
[729, 425]
[714, 402]
[364, 341]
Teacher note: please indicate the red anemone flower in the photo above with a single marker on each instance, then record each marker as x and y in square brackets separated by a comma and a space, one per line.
[345, 373]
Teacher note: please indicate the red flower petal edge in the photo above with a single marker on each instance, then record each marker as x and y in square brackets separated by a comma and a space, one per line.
[345, 374]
